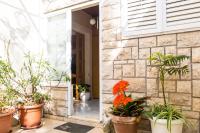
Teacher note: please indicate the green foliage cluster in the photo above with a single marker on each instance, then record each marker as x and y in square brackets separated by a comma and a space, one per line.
[132, 109]
[24, 86]
[84, 88]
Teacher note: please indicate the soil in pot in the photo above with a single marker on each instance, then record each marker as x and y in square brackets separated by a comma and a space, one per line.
[30, 116]
[6, 121]
[160, 126]
[125, 124]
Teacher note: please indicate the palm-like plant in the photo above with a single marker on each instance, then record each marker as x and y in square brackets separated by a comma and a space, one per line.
[168, 64]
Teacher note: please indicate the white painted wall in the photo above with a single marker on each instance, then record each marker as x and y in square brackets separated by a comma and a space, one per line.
[22, 22]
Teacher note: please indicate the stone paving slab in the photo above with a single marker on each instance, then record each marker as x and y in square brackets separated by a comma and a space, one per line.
[49, 125]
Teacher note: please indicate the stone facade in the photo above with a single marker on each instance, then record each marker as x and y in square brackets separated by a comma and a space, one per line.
[128, 61]
[126, 58]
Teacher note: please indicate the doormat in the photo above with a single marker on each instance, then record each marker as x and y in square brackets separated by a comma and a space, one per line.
[74, 128]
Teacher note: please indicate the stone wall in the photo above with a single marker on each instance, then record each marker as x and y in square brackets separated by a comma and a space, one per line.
[57, 106]
[127, 59]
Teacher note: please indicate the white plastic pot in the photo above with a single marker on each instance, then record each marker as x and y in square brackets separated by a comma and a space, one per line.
[84, 96]
[160, 126]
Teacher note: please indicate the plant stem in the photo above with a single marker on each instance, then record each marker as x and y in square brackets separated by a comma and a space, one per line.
[162, 80]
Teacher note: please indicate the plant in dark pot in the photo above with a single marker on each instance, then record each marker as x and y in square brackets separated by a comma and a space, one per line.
[31, 94]
[84, 90]
[165, 118]
[126, 112]
[7, 96]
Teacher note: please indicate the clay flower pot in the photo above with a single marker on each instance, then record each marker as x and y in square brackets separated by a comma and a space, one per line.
[125, 124]
[6, 121]
[30, 116]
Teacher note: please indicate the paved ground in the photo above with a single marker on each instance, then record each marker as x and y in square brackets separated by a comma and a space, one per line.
[49, 125]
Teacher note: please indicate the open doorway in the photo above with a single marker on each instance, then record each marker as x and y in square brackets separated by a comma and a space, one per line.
[85, 62]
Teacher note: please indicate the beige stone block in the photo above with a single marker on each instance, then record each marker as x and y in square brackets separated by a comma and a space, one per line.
[117, 73]
[195, 126]
[117, 66]
[196, 71]
[108, 85]
[108, 98]
[135, 53]
[137, 95]
[110, 54]
[196, 88]
[196, 104]
[147, 42]
[59, 95]
[152, 72]
[184, 86]
[131, 61]
[128, 70]
[144, 53]
[180, 99]
[107, 72]
[111, 12]
[119, 34]
[124, 54]
[140, 68]
[109, 35]
[130, 43]
[153, 101]
[161, 95]
[170, 50]
[136, 84]
[196, 54]
[157, 49]
[191, 114]
[189, 39]
[114, 44]
[152, 87]
[184, 51]
[120, 62]
[170, 86]
[111, 24]
[167, 40]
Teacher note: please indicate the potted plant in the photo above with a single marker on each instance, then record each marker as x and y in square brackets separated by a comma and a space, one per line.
[126, 112]
[166, 118]
[31, 94]
[84, 90]
[6, 97]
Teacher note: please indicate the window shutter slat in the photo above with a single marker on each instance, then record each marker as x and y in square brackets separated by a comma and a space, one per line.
[181, 12]
[141, 14]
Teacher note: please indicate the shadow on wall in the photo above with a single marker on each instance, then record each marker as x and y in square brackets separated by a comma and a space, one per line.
[21, 26]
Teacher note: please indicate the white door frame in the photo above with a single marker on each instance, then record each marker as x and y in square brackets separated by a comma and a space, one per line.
[68, 12]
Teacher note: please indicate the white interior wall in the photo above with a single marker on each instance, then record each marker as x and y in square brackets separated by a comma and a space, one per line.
[84, 27]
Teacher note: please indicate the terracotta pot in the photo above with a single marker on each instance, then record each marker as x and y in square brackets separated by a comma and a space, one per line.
[30, 116]
[125, 124]
[6, 121]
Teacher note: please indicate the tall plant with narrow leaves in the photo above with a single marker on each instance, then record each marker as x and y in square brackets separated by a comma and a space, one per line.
[168, 65]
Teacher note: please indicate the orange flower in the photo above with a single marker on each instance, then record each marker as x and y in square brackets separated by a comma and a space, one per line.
[120, 87]
[121, 100]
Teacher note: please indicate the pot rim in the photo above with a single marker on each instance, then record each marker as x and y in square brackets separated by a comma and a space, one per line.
[123, 119]
[31, 107]
[10, 112]
[164, 121]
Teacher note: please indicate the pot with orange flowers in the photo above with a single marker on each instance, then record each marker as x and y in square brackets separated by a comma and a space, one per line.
[126, 111]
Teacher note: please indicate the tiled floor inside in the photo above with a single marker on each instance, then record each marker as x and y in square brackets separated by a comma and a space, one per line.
[49, 125]
[90, 109]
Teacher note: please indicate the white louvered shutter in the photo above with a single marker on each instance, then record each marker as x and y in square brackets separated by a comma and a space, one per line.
[181, 14]
[141, 16]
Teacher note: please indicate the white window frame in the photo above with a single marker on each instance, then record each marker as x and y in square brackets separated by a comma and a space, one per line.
[161, 20]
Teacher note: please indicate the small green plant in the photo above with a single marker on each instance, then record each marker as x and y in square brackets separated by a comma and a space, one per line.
[167, 65]
[84, 88]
